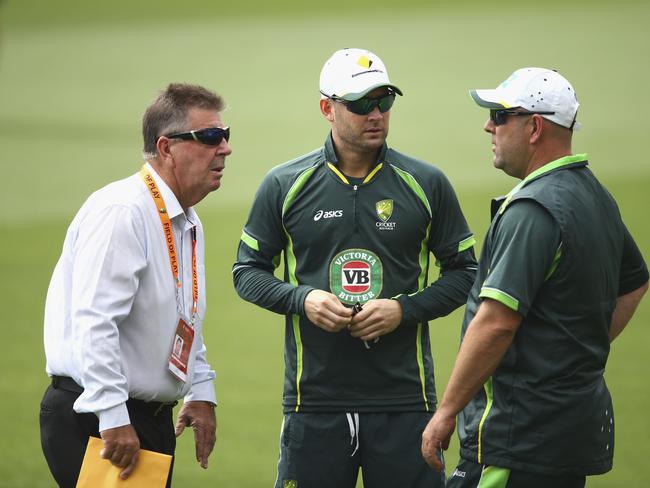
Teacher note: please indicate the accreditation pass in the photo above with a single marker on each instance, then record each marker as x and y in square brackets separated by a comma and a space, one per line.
[182, 345]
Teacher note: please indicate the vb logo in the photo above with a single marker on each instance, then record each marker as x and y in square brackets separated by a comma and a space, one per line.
[356, 276]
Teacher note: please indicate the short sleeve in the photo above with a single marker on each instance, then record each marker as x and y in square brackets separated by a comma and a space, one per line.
[634, 272]
[523, 247]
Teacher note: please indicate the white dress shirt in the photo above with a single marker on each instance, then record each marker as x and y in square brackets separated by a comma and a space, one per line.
[111, 309]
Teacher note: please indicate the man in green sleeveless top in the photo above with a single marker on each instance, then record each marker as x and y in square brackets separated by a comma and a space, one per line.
[559, 278]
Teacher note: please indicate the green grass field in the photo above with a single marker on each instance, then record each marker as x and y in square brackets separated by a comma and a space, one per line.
[74, 81]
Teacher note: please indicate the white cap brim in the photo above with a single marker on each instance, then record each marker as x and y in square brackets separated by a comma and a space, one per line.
[489, 99]
[351, 97]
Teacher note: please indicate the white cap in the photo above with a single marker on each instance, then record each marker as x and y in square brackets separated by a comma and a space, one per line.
[535, 90]
[351, 73]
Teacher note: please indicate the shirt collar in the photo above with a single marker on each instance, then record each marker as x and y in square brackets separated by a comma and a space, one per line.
[174, 208]
[332, 161]
[562, 163]
[566, 162]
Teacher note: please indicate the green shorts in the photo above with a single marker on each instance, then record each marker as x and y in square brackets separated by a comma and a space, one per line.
[469, 474]
[328, 449]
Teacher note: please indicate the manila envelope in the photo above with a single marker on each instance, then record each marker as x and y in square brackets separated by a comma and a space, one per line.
[150, 472]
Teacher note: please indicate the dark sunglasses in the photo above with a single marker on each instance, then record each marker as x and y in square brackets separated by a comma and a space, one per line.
[212, 136]
[365, 105]
[500, 117]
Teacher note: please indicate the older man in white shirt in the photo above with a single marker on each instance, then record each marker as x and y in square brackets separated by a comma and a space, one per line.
[125, 306]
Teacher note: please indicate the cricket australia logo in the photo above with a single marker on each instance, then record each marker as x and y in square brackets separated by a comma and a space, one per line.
[384, 210]
[356, 276]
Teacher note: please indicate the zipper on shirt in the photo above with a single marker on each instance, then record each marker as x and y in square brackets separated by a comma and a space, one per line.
[354, 208]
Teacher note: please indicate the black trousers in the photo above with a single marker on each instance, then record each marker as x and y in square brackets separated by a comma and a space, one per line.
[64, 433]
[326, 450]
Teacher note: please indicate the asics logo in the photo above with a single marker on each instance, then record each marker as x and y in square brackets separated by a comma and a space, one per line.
[460, 474]
[327, 214]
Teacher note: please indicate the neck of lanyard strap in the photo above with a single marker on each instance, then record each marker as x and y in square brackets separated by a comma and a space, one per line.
[166, 223]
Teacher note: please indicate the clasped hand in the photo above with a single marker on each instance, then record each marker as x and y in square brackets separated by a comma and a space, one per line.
[377, 318]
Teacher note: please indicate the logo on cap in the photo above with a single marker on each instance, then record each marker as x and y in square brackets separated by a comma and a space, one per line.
[364, 62]
[356, 276]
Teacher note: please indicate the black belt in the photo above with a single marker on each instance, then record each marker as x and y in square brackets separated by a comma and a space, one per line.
[153, 408]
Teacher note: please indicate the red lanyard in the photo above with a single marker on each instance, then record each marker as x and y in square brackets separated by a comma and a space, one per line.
[166, 222]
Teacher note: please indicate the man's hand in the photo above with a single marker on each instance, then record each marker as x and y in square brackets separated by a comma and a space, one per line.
[201, 417]
[121, 447]
[486, 340]
[377, 318]
[326, 311]
[436, 436]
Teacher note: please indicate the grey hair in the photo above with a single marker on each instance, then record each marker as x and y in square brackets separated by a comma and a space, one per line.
[168, 112]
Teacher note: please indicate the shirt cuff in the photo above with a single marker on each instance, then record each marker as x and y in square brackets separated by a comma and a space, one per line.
[408, 309]
[502, 297]
[116, 416]
[202, 392]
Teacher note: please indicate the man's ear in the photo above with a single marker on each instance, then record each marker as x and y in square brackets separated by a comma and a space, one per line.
[163, 147]
[327, 108]
[537, 128]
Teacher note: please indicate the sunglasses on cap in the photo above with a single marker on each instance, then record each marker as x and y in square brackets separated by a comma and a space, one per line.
[212, 136]
[365, 105]
[500, 116]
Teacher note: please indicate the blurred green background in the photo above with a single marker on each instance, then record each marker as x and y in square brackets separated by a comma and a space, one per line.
[75, 77]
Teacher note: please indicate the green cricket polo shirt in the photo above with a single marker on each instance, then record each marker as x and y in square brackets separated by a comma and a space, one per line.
[558, 253]
[359, 240]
